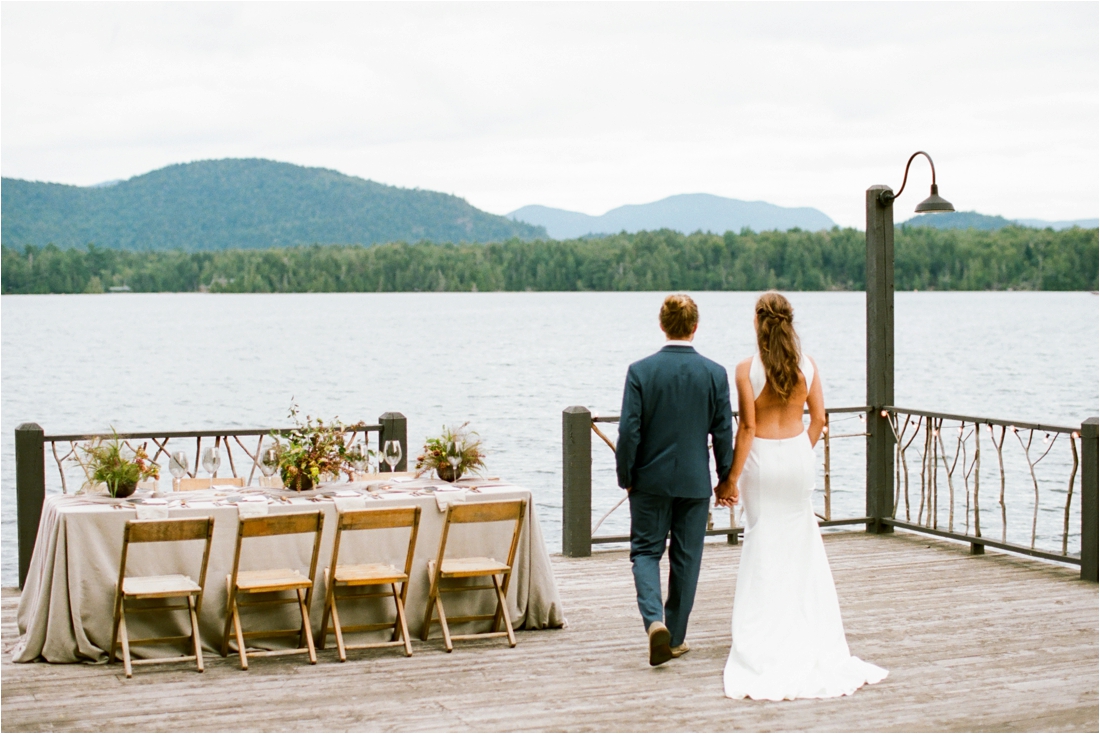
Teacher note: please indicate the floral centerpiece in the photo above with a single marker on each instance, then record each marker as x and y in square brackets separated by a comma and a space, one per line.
[313, 450]
[117, 466]
[451, 454]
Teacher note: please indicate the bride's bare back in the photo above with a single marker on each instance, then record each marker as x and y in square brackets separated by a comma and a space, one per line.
[769, 417]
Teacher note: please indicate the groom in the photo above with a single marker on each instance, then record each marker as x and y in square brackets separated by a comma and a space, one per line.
[673, 400]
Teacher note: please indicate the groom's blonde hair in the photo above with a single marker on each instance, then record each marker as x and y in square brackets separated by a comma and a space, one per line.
[679, 316]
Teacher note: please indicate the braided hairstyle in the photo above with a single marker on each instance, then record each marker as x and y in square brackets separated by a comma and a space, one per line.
[778, 343]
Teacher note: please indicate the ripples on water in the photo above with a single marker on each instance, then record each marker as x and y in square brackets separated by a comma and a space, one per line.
[508, 363]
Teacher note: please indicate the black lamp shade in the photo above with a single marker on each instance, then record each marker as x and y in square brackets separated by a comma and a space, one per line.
[934, 203]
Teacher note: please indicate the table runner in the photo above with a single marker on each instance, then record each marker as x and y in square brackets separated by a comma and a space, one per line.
[65, 611]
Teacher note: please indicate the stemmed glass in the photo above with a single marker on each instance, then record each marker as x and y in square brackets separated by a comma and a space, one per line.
[454, 458]
[177, 465]
[391, 452]
[269, 462]
[211, 460]
[361, 462]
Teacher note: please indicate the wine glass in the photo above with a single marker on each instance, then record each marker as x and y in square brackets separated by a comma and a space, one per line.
[211, 460]
[269, 461]
[392, 453]
[454, 458]
[269, 464]
[177, 465]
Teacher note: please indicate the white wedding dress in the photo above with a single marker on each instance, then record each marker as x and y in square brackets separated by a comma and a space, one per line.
[788, 638]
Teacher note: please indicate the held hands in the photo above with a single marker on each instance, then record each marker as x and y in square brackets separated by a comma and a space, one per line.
[726, 494]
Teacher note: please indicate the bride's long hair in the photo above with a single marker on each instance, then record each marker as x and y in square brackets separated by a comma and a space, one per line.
[778, 343]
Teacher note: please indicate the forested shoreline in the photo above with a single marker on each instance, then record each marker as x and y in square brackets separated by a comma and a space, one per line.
[1016, 258]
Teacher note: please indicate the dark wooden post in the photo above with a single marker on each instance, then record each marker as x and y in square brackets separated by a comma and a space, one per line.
[30, 489]
[1089, 509]
[395, 427]
[576, 482]
[880, 358]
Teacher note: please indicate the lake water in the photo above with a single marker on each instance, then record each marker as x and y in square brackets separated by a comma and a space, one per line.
[508, 363]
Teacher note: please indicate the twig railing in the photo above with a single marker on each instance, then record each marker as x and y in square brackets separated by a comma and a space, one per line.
[950, 452]
[33, 482]
[165, 441]
[578, 482]
[937, 483]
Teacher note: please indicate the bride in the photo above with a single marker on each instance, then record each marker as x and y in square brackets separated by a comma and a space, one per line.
[788, 639]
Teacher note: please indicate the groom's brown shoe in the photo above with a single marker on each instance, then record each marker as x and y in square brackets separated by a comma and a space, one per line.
[680, 649]
[659, 651]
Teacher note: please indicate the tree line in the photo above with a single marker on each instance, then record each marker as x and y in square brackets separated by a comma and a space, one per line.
[925, 259]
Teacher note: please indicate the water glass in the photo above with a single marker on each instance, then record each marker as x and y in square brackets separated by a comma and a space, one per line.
[361, 457]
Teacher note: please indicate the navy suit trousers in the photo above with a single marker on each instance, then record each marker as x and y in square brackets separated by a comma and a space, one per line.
[652, 517]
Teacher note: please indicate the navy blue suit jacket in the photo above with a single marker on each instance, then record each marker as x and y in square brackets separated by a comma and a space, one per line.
[674, 400]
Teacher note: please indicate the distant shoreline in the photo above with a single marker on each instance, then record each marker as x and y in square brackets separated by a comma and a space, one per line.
[926, 259]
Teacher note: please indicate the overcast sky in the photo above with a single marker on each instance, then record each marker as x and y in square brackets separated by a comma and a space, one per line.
[580, 106]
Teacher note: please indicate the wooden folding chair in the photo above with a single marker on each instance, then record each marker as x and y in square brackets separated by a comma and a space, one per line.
[243, 584]
[355, 577]
[443, 569]
[187, 484]
[173, 586]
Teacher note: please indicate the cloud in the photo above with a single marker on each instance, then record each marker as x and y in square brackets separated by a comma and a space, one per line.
[582, 106]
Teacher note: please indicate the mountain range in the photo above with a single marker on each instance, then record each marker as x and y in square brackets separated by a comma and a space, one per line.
[240, 203]
[974, 220]
[257, 204]
[684, 212]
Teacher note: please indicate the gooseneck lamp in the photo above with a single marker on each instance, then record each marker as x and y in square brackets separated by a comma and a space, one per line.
[934, 203]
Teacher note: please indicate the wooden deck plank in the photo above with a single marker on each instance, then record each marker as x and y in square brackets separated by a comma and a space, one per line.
[991, 642]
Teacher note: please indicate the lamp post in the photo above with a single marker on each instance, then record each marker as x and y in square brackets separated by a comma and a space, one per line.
[880, 340]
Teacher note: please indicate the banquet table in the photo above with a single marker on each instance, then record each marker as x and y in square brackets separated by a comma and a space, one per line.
[65, 611]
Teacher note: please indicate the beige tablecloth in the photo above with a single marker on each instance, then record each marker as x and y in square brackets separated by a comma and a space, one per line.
[65, 612]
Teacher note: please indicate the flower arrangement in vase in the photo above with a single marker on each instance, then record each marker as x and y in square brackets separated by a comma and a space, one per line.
[117, 466]
[313, 450]
[451, 454]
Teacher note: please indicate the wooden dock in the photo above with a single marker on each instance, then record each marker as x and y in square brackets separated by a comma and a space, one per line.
[993, 642]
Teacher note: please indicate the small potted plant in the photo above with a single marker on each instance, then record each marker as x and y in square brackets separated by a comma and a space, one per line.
[112, 463]
[312, 451]
[451, 454]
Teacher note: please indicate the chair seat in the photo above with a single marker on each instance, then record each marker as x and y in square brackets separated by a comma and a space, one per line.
[463, 567]
[369, 573]
[278, 579]
[153, 587]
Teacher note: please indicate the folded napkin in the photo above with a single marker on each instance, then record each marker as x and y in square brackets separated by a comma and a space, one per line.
[252, 507]
[153, 510]
[444, 497]
[345, 503]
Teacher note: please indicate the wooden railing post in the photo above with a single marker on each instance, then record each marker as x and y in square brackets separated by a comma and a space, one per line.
[30, 489]
[1090, 454]
[576, 482]
[880, 359]
[395, 427]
